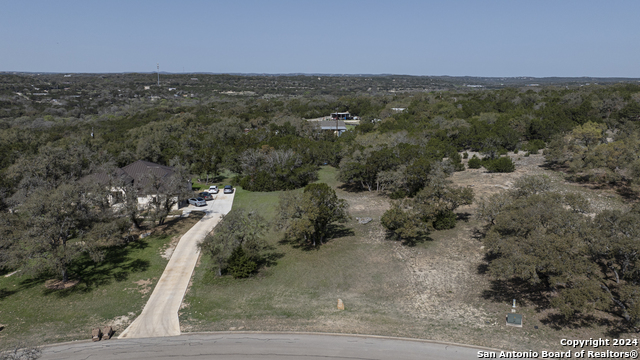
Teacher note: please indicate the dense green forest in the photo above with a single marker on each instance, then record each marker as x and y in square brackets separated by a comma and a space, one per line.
[56, 129]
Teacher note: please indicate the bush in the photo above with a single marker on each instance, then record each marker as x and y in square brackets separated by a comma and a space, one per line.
[500, 165]
[534, 146]
[474, 163]
[465, 155]
[456, 160]
[445, 220]
[240, 264]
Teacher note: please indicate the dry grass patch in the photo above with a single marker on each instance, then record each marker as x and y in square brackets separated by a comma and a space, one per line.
[55, 284]
[434, 290]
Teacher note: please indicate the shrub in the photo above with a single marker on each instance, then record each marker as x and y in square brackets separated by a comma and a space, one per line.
[240, 264]
[456, 161]
[465, 155]
[445, 220]
[534, 146]
[474, 163]
[500, 165]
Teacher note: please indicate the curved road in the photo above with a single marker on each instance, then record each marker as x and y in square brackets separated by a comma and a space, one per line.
[262, 346]
[160, 314]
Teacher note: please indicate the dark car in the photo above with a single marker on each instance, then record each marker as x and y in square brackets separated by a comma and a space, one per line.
[228, 189]
[205, 195]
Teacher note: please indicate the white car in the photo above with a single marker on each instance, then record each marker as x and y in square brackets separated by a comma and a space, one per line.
[213, 189]
[197, 202]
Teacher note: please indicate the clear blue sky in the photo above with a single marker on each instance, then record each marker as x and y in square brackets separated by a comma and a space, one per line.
[475, 37]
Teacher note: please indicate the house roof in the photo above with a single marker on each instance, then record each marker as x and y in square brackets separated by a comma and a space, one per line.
[140, 170]
[105, 179]
[136, 173]
[331, 125]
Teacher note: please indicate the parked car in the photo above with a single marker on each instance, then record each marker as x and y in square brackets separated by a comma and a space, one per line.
[228, 189]
[197, 202]
[206, 196]
[213, 189]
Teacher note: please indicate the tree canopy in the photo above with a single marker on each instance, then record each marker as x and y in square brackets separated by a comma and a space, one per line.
[308, 217]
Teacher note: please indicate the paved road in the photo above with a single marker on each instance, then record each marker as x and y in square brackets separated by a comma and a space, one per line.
[261, 346]
[160, 315]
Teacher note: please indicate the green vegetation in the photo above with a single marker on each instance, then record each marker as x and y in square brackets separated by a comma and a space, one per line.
[474, 162]
[240, 265]
[268, 169]
[499, 165]
[309, 218]
[299, 285]
[237, 243]
[110, 291]
[542, 240]
[411, 219]
[56, 219]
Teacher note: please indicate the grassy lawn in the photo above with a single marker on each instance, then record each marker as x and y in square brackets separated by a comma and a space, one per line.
[300, 290]
[112, 292]
[223, 178]
[433, 290]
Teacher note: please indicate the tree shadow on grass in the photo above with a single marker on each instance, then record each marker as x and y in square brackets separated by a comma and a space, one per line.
[628, 193]
[408, 241]
[335, 231]
[269, 259]
[352, 188]
[619, 327]
[413, 241]
[6, 293]
[504, 291]
[478, 234]
[116, 266]
[465, 216]
[33, 281]
[171, 225]
[558, 321]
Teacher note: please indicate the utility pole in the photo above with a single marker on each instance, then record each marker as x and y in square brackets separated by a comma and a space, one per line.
[158, 65]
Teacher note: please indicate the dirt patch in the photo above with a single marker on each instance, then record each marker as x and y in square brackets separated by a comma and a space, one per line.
[485, 184]
[11, 273]
[121, 322]
[179, 225]
[433, 290]
[144, 286]
[365, 204]
[55, 284]
[167, 251]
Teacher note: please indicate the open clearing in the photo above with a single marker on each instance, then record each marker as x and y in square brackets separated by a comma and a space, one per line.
[434, 290]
